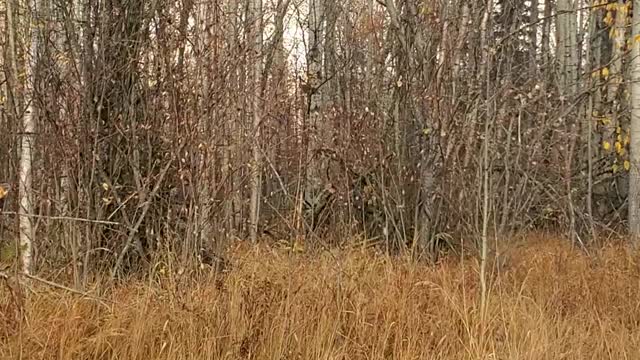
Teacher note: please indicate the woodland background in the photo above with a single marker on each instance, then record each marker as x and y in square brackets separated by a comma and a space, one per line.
[339, 165]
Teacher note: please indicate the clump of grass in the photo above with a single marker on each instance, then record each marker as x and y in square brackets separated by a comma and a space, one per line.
[550, 302]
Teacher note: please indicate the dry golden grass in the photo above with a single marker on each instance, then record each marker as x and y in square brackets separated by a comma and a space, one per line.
[549, 302]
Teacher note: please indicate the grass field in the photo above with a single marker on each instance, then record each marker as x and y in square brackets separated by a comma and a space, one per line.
[549, 301]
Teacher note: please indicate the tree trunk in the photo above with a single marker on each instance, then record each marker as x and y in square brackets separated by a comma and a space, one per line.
[567, 47]
[618, 39]
[256, 168]
[634, 176]
[206, 175]
[486, 172]
[231, 129]
[592, 58]
[26, 147]
[13, 86]
[88, 122]
[316, 126]
[546, 39]
[567, 58]
[533, 34]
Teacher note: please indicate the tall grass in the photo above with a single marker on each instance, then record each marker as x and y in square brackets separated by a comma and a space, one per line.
[549, 301]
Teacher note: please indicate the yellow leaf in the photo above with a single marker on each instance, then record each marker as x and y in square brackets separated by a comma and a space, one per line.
[605, 72]
[627, 139]
[608, 19]
[105, 186]
[606, 120]
[606, 145]
[623, 9]
[627, 165]
[614, 168]
[298, 247]
[618, 147]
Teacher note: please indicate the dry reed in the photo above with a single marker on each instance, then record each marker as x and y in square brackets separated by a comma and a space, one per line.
[548, 302]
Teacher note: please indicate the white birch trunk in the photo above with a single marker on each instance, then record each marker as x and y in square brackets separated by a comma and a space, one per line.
[25, 174]
[567, 46]
[314, 78]
[317, 128]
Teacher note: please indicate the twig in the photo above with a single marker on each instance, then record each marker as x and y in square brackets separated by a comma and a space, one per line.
[145, 209]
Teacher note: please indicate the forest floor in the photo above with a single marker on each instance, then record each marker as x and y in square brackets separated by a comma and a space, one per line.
[549, 301]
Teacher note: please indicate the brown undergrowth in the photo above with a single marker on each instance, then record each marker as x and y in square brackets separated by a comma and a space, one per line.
[549, 301]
